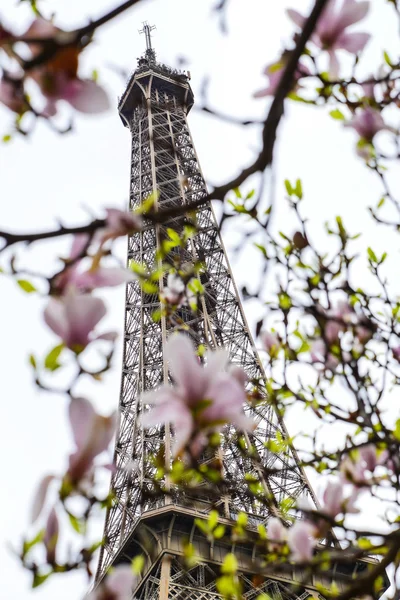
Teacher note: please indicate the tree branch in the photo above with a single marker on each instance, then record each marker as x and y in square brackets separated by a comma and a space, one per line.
[52, 46]
[275, 113]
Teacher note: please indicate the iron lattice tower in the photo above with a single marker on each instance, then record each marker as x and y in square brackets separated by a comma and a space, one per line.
[164, 162]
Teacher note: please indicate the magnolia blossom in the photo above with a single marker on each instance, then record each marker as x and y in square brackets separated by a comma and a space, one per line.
[86, 280]
[58, 77]
[92, 435]
[358, 467]
[320, 355]
[40, 496]
[50, 537]
[335, 502]
[118, 585]
[271, 342]
[73, 317]
[396, 353]
[202, 399]
[367, 122]
[174, 292]
[331, 31]
[338, 318]
[274, 73]
[276, 533]
[301, 541]
[119, 223]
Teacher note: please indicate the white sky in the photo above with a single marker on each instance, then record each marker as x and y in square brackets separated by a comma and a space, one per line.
[46, 177]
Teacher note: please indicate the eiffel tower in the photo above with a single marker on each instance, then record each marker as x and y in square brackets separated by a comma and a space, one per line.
[164, 163]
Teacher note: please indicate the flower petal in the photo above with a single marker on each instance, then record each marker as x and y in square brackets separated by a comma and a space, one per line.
[79, 244]
[352, 12]
[301, 541]
[81, 417]
[352, 42]
[55, 317]
[216, 362]
[50, 537]
[83, 312]
[40, 497]
[86, 96]
[296, 17]
[121, 581]
[183, 430]
[185, 367]
[103, 277]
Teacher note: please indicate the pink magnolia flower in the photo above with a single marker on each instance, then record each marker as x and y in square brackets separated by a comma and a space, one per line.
[92, 434]
[371, 457]
[202, 399]
[335, 502]
[353, 471]
[396, 353]
[319, 354]
[58, 77]
[276, 532]
[368, 122]
[274, 73]
[40, 496]
[12, 94]
[118, 585]
[301, 541]
[119, 223]
[338, 318]
[270, 341]
[51, 536]
[174, 292]
[73, 317]
[330, 33]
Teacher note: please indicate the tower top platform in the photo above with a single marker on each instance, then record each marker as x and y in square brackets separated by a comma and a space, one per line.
[150, 80]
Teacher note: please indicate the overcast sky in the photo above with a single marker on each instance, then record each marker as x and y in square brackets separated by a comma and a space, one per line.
[48, 177]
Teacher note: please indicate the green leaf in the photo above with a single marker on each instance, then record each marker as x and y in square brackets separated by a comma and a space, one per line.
[288, 187]
[202, 525]
[227, 587]
[396, 431]
[28, 544]
[381, 202]
[241, 519]
[26, 286]
[337, 114]
[219, 532]
[51, 361]
[230, 564]
[6, 138]
[372, 255]
[147, 204]
[76, 524]
[298, 190]
[174, 236]
[38, 579]
[32, 361]
[213, 519]
[138, 564]
[148, 287]
[387, 59]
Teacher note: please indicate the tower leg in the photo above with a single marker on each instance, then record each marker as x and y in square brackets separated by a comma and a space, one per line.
[165, 577]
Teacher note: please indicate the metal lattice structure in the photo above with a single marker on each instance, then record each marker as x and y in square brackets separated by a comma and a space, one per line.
[163, 160]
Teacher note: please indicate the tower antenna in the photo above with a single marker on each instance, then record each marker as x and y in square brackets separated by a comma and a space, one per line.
[147, 29]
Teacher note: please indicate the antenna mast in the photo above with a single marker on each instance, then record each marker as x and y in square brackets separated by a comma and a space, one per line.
[147, 29]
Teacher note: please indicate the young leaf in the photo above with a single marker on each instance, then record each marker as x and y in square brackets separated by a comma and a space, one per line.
[26, 286]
